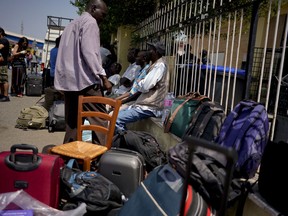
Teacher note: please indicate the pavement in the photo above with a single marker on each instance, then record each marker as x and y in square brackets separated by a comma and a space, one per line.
[9, 135]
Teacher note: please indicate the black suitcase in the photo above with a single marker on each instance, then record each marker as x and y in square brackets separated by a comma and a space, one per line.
[34, 83]
[124, 167]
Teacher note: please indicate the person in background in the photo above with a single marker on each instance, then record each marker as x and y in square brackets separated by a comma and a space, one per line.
[153, 89]
[105, 56]
[108, 57]
[4, 53]
[52, 61]
[142, 59]
[79, 68]
[51, 94]
[34, 62]
[28, 59]
[115, 70]
[129, 75]
[19, 67]
[114, 79]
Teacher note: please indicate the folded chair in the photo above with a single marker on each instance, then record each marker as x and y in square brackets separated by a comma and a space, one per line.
[86, 152]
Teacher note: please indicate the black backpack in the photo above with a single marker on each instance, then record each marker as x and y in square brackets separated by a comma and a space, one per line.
[98, 193]
[207, 174]
[206, 121]
[144, 143]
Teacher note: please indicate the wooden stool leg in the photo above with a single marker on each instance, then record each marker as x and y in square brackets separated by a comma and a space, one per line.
[86, 164]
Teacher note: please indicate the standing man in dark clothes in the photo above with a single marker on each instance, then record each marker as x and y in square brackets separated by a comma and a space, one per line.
[79, 68]
[4, 52]
[52, 61]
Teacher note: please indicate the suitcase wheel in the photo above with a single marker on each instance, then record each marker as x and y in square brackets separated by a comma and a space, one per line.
[50, 129]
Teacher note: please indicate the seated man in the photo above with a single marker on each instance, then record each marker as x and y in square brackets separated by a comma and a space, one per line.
[153, 89]
[129, 75]
[142, 59]
[114, 69]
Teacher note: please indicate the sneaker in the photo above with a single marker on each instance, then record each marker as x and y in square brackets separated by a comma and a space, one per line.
[1, 96]
[5, 99]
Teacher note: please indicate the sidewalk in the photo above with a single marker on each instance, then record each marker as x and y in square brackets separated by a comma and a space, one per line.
[10, 135]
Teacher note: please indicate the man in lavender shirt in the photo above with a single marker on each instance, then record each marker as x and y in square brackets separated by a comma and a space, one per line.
[79, 68]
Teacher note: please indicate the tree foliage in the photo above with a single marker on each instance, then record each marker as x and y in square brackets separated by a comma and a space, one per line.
[133, 12]
[121, 12]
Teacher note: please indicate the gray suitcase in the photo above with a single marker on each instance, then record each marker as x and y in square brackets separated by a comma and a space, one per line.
[34, 83]
[124, 167]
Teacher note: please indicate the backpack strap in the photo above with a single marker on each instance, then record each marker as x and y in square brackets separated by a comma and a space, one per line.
[206, 120]
[193, 121]
[168, 121]
[203, 123]
[72, 163]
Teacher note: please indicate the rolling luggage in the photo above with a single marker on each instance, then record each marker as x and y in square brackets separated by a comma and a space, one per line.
[57, 116]
[123, 167]
[37, 174]
[34, 83]
[224, 154]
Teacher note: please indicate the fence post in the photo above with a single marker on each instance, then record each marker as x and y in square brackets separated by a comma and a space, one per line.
[251, 46]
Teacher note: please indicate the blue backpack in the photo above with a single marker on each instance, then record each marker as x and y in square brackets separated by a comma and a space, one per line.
[246, 129]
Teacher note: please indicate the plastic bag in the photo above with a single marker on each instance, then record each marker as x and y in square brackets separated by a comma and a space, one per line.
[22, 200]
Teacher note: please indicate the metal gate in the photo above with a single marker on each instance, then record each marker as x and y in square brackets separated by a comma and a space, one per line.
[228, 50]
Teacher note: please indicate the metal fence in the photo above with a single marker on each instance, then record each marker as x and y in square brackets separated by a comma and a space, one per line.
[228, 50]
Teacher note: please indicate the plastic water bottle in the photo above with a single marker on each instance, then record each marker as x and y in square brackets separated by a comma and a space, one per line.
[168, 101]
[87, 134]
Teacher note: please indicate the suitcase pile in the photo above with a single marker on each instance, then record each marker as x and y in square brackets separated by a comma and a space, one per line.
[166, 192]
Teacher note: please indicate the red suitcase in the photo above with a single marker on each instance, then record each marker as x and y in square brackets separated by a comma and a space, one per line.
[37, 174]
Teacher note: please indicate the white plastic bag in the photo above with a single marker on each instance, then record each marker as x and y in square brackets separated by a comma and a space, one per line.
[21, 199]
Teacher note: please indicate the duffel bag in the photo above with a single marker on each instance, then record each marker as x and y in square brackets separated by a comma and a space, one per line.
[182, 111]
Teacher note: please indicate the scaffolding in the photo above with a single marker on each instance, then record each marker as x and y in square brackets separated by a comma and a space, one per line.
[55, 27]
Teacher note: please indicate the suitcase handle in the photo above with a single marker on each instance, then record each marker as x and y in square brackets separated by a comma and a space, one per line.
[231, 157]
[23, 161]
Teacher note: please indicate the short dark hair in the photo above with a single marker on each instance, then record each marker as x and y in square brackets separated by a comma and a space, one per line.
[91, 3]
[118, 67]
[135, 50]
